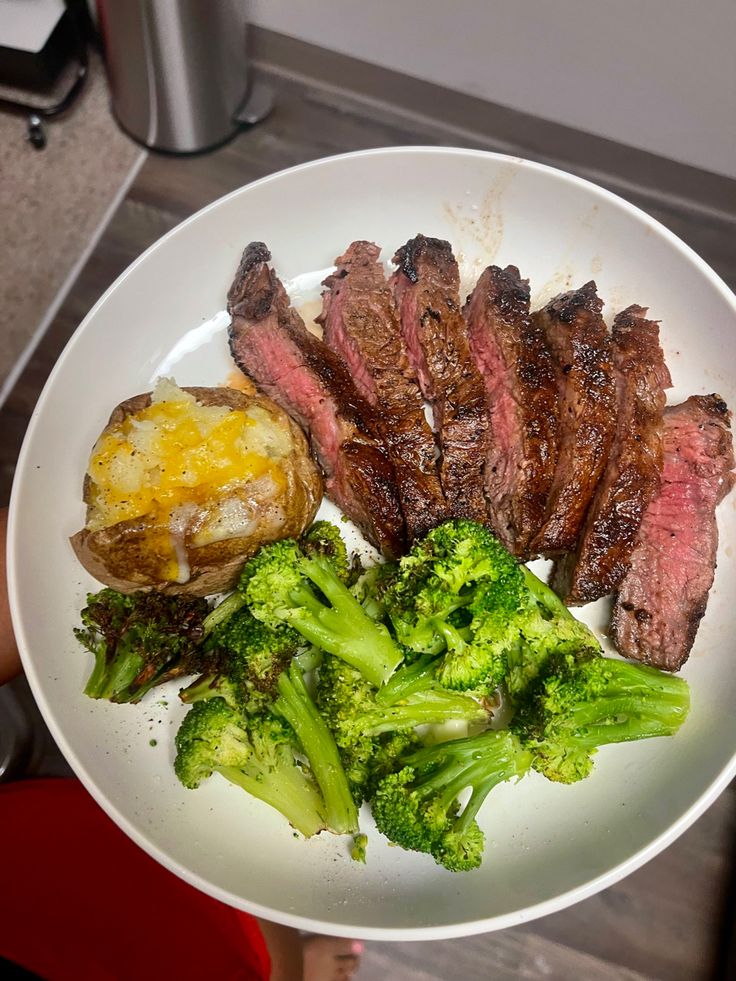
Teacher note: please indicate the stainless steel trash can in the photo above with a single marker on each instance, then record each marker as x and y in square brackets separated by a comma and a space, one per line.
[178, 71]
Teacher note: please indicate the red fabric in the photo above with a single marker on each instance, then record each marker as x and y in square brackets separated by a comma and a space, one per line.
[79, 900]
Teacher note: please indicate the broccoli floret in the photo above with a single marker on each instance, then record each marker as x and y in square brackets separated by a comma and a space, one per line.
[254, 752]
[340, 686]
[141, 640]
[370, 586]
[317, 742]
[584, 705]
[417, 807]
[361, 717]
[548, 635]
[250, 656]
[461, 595]
[437, 577]
[324, 538]
[279, 587]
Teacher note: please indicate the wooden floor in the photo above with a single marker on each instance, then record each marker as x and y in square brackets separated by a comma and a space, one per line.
[667, 920]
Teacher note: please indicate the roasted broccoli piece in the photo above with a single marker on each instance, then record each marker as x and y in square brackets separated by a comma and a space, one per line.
[583, 705]
[370, 586]
[417, 807]
[324, 538]
[141, 640]
[254, 752]
[248, 658]
[361, 721]
[549, 636]
[282, 585]
[461, 595]
[317, 742]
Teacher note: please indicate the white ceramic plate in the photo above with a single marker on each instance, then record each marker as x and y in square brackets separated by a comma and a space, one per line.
[548, 845]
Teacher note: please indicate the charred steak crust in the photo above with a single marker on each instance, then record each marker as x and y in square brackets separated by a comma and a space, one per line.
[427, 290]
[270, 343]
[361, 324]
[512, 356]
[665, 592]
[632, 475]
[581, 348]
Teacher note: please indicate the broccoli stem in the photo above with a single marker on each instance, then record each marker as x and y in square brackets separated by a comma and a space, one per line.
[111, 679]
[231, 604]
[203, 687]
[287, 791]
[408, 679]
[545, 596]
[342, 629]
[637, 702]
[479, 762]
[296, 706]
[426, 709]
[96, 682]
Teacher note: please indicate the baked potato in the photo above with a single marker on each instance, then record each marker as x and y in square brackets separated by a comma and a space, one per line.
[183, 485]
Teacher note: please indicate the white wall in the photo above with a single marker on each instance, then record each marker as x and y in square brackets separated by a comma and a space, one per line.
[656, 74]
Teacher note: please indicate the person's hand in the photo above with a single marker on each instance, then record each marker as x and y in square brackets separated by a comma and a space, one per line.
[10, 665]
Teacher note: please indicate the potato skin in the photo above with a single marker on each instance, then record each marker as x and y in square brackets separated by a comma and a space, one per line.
[125, 556]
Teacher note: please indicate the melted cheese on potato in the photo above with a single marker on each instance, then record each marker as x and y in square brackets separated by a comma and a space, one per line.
[189, 466]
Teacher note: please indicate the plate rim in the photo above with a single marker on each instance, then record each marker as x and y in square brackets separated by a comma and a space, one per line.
[447, 931]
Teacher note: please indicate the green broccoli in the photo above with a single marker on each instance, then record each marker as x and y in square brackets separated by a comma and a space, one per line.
[549, 635]
[324, 538]
[370, 585]
[284, 586]
[248, 659]
[583, 705]
[254, 752]
[461, 595]
[361, 720]
[357, 852]
[317, 742]
[141, 640]
[417, 807]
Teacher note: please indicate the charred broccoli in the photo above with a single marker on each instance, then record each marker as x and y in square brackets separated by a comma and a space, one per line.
[141, 640]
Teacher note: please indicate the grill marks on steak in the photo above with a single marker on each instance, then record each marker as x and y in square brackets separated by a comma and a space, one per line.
[581, 347]
[361, 324]
[664, 594]
[632, 476]
[270, 343]
[427, 290]
[515, 363]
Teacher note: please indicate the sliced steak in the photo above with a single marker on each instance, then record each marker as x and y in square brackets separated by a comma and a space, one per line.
[581, 347]
[361, 324]
[631, 477]
[427, 290]
[270, 343]
[664, 594]
[515, 363]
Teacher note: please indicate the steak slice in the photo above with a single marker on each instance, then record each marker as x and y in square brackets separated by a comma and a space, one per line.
[515, 363]
[663, 597]
[631, 478]
[581, 348]
[270, 343]
[361, 324]
[427, 290]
